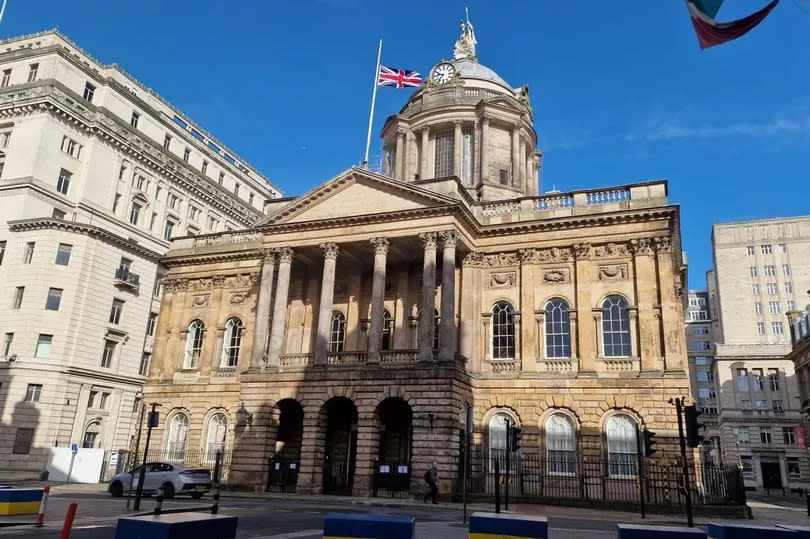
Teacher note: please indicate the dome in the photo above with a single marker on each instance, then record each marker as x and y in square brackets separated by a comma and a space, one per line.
[469, 69]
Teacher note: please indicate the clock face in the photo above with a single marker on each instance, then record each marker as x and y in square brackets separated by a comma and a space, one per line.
[443, 73]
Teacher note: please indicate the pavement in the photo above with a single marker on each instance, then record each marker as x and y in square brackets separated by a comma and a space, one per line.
[285, 516]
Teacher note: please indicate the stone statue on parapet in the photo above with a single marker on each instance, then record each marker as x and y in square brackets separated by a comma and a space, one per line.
[465, 45]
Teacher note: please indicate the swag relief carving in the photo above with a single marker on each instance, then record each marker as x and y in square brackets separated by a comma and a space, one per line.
[502, 280]
[554, 276]
[613, 272]
[200, 300]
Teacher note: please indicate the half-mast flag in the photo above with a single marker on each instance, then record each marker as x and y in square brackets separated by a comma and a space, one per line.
[711, 33]
[391, 76]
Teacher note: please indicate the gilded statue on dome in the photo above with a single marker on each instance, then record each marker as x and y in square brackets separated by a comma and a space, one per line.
[465, 45]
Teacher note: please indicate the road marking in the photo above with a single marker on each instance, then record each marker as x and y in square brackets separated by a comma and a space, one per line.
[292, 535]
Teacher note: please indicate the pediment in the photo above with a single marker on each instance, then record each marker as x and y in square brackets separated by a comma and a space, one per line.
[354, 193]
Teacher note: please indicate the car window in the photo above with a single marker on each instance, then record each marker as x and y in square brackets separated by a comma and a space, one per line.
[135, 470]
[156, 467]
[166, 467]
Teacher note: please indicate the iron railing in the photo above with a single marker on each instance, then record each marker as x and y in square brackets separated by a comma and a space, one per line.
[195, 458]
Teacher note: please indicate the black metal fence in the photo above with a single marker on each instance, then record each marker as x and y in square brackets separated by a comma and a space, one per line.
[391, 479]
[195, 458]
[282, 475]
[580, 481]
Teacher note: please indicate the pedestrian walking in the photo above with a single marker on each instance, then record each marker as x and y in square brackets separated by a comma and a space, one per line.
[432, 479]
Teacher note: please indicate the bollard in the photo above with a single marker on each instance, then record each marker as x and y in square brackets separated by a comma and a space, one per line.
[71, 514]
[808, 504]
[42, 504]
[159, 501]
[217, 471]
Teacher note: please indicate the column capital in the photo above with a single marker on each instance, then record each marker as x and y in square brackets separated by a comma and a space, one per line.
[330, 250]
[379, 245]
[515, 126]
[582, 251]
[641, 247]
[458, 123]
[268, 256]
[429, 239]
[425, 130]
[285, 255]
[663, 244]
[449, 237]
[485, 120]
[401, 132]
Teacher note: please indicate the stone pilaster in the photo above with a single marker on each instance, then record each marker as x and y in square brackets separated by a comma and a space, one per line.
[484, 153]
[400, 157]
[330, 252]
[425, 170]
[458, 139]
[285, 255]
[671, 311]
[587, 336]
[646, 285]
[515, 155]
[470, 309]
[524, 179]
[259, 349]
[447, 328]
[426, 322]
[380, 249]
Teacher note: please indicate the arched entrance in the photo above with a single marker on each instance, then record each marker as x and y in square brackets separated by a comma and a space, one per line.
[283, 473]
[340, 448]
[392, 475]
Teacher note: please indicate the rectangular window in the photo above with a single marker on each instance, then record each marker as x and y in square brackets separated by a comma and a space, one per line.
[703, 376]
[743, 435]
[773, 379]
[761, 404]
[755, 289]
[193, 213]
[793, 469]
[783, 247]
[44, 343]
[250, 199]
[167, 141]
[777, 405]
[759, 381]
[116, 310]
[701, 361]
[28, 253]
[18, 297]
[24, 437]
[150, 324]
[788, 436]
[89, 92]
[2, 250]
[58, 214]
[443, 155]
[751, 250]
[108, 354]
[8, 339]
[766, 249]
[143, 368]
[770, 271]
[700, 331]
[135, 213]
[760, 328]
[788, 288]
[116, 202]
[89, 440]
[772, 290]
[6, 78]
[742, 379]
[186, 154]
[791, 305]
[773, 307]
[785, 269]
[32, 72]
[91, 399]
[122, 171]
[777, 328]
[236, 189]
[192, 231]
[705, 393]
[168, 229]
[765, 435]
[54, 299]
[757, 308]
[212, 223]
[204, 169]
[173, 201]
[746, 404]
[753, 271]
[63, 183]
[71, 147]
[133, 121]
[103, 402]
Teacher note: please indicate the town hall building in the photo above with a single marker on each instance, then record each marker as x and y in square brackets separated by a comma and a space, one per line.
[343, 336]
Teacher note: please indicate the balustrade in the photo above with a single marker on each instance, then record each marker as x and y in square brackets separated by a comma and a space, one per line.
[607, 196]
[553, 202]
[399, 356]
[346, 358]
[296, 360]
[508, 365]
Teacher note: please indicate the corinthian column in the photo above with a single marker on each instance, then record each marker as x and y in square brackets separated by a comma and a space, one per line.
[458, 138]
[425, 172]
[515, 155]
[285, 255]
[447, 329]
[330, 252]
[263, 309]
[399, 157]
[380, 247]
[484, 153]
[426, 322]
[524, 179]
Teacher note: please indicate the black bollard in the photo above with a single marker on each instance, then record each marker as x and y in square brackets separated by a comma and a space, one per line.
[159, 502]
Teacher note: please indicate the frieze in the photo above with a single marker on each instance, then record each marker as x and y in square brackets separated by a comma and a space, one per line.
[502, 280]
[611, 250]
[554, 255]
[473, 260]
[557, 275]
[663, 244]
[245, 280]
[238, 298]
[200, 300]
[641, 247]
[613, 272]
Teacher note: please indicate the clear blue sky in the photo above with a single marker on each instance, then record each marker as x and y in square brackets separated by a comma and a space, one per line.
[621, 91]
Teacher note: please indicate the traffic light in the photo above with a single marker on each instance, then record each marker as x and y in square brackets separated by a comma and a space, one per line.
[649, 443]
[516, 434]
[693, 437]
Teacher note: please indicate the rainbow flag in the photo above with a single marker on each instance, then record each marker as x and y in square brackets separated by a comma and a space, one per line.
[710, 32]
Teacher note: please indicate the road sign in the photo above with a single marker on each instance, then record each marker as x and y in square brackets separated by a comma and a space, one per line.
[74, 448]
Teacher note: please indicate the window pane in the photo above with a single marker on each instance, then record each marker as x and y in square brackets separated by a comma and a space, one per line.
[43, 349]
[558, 329]
[616, 327]
[54, 299]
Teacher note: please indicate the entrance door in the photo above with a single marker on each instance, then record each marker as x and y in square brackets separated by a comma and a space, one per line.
[771, 475]
[341, 446]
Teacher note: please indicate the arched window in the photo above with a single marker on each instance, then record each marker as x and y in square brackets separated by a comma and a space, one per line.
[337, 332]
[620, 434]
[91, 435]
[497, 434]
[215, 436]
[561, 444]
[194, 345]
[388, 330]
[176, 437]
[231, 342]
[558, 329]
[503, 330]
[616, 327]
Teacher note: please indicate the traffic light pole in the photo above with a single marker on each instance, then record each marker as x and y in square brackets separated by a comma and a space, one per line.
[684, 464]
[142, 474]
[641, 463]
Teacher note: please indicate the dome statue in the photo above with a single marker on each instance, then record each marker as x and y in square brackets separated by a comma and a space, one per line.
[464, 48]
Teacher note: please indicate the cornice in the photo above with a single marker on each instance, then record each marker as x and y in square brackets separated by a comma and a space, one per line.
[212, 258]
[105, 376]
[22, 225]
[53, 97]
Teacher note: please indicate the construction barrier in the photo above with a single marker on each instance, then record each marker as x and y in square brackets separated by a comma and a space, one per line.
[743, 531]
[367, 527]
[20, 501]
[636, 531]
[502, 526]
[803, 531]
[177, 526]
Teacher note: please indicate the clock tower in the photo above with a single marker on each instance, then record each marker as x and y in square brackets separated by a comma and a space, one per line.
[468, 122]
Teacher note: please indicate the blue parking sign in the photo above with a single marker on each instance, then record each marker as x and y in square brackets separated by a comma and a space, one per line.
[74, 448]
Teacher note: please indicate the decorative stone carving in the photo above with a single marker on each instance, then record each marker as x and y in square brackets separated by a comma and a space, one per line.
[498, 260]
[473, 260]
[200, 300]
[553, 255]
[285, 255]
[175, 285]
[237, 298]
[613, 272]
[641, 247]
[556, 276]
[449, 237]
[269, 255]
[465, 45]
[611, 250]
[582, 251]
[663, 244]
[330, 250]
[379, 245]
[502, 280]
[429, 239]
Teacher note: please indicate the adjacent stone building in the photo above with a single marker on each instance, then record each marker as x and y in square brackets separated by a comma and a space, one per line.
[345, 333]
[97, 174]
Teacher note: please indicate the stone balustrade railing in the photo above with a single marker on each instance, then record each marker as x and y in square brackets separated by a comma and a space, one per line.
[227, 238]
[618, 365]
[388, 357]
[296, 360]
[505, 365]
[607, 196]
[500, 208]
[556, 365]
[552, 202]
[346, 358]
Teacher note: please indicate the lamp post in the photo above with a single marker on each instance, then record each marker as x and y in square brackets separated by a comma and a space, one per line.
[243, 417]
[152, 422]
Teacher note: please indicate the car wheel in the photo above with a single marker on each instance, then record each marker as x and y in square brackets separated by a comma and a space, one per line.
[117, 489]
[168, 491]
[196, 495]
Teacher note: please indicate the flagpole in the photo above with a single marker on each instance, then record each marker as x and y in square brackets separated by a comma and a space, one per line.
[373, 100]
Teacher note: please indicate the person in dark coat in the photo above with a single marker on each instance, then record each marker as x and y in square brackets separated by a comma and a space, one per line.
[432, 479]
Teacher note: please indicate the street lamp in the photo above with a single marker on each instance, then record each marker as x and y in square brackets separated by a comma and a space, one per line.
[243, 417]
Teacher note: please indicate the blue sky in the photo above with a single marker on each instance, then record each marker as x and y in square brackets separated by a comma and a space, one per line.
[621, 90]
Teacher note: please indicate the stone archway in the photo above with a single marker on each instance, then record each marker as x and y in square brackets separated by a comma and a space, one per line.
[392, 474]
[286, 461]
[340, 445]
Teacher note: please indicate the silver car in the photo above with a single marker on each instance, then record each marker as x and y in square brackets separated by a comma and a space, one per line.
[174, 478]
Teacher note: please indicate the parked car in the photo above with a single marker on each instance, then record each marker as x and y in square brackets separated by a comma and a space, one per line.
[174, 478]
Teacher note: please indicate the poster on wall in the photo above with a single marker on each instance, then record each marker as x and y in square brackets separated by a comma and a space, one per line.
[800, 437]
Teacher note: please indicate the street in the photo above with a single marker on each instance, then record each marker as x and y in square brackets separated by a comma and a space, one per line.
[294, 517]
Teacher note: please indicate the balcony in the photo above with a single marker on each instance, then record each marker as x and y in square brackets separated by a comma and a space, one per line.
[127, 279]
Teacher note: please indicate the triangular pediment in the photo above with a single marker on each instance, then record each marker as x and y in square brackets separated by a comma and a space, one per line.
[354, 193]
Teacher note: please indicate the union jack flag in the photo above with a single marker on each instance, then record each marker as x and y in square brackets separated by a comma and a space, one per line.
[391, 76]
